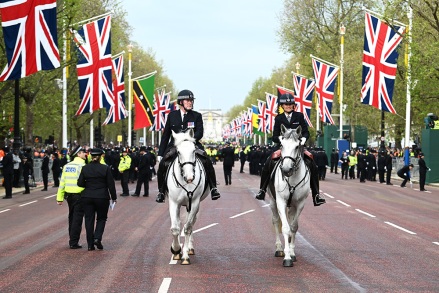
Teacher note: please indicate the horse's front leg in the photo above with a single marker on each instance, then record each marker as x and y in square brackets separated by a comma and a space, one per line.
[286, 232]
[275, 220]
[294, 224]
[174, 212]
[188, 242]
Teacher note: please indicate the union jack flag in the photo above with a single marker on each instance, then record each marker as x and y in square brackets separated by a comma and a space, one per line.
[379, 63]
[117, 110]
[325, 76]
[94, 65]
[262, 116]
[161, 110]
[304, 90]
[271, 110]
[30, 33]
[249, 126]
[244, 123]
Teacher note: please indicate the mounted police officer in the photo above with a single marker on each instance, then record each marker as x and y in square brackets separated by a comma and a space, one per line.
[178, 121]
[69, 190]
[290, 119]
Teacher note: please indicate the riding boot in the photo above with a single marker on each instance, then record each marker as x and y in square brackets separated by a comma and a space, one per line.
[161, 173]
[314, 182]
[265, 179]
[214, 193]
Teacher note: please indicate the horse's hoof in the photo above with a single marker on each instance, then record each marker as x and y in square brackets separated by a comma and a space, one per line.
[288, 263]
[279, 254]
[186, 261]
[191, 251]
[293, 257]
[175, 252]
[177, 256]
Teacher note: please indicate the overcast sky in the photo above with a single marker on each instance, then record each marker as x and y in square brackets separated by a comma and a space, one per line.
[215, 48]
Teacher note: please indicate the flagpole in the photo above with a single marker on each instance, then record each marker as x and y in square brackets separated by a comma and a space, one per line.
[91, 133]
[409, 79]
[342, 32]
[93, 18]
[64, 92]
[130, 87]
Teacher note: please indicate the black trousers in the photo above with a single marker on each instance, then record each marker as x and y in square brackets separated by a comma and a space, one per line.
[55, 178]
[95, 209]
[228, 174]
[381, 175]
[404, 177]
[76, 214]
[143, 179]
[8, 179]
[45, 179]
[26, 183]
[242, 167]
[422, 176]
[16, 182]
[388, 175]
[124, 177]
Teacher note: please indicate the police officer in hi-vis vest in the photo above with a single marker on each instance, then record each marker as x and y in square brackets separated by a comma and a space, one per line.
[69, 190]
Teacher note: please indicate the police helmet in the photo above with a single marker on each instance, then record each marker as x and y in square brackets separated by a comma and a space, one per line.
[76, 151]
[184, 95]
[286, 98]
[96, 152]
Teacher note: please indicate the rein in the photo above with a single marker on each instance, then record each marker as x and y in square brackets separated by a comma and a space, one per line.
[189, 194]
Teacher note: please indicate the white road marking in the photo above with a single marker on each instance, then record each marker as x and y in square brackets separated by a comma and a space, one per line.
[201, 229]
[437, 243]
[173, 261]
[400, 228]
[238, 215]
[343, 203]
[5, 211]
[50, 196]
[25, 204]
[367, 214]
[164, 287]
[328, 195]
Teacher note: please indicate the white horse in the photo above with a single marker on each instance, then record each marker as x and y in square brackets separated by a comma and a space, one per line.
[288, 192]
[187, 186]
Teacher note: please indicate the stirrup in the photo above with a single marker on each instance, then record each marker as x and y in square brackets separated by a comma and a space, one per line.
[260, 195]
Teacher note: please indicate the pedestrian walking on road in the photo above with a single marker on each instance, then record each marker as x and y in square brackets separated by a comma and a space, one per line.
[404, 174]
[143, 170]
[99, 188]
[45, 170]
[228, 162]
[69, 190]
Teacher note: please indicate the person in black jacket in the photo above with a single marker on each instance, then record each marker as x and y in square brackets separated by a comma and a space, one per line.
[56, 169]
[27, 171]
[291, 119]
[143, 169]
[178, 121]
[422, 172]
[98, 183]
[228, 154]
[8, 172]
[334, 161]
[404, 173]
[381, 166]
[45, 170]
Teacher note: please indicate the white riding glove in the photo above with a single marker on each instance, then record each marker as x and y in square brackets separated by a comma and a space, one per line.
[429, 169]
[159, 158]
[302, 140]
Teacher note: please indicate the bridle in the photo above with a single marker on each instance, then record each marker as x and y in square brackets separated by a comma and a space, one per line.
[296, 162]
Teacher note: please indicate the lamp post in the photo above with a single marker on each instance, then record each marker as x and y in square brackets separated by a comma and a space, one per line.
[130, 49]
[297, 67]
[342, 32]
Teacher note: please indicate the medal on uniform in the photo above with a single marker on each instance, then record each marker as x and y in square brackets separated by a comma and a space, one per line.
[190, 125]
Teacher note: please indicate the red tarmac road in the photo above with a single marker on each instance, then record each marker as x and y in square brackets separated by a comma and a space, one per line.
[368, 237]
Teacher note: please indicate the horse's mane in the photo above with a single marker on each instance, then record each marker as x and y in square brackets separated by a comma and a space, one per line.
[182, 136]
[291, 133]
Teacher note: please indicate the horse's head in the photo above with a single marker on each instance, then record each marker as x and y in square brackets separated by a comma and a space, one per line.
[185, 145]
[291, 150]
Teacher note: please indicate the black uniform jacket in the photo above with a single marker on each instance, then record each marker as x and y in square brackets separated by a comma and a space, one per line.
[98, 181]
[193, 120]
[144, 165]
[297, 119]
[228, 154]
